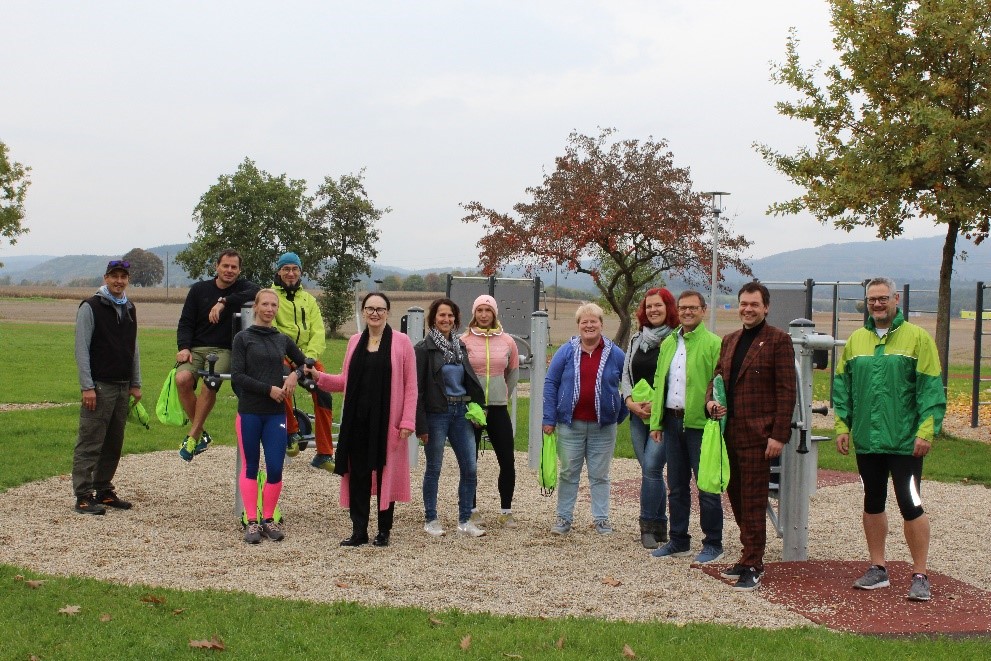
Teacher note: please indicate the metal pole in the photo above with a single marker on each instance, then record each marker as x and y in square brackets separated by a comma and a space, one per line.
[415, 333]
[716, 209]
[975, 394]
[538, 372]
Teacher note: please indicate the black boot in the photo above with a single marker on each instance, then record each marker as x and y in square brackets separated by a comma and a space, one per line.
[356, 539]
[381, 539]
[649, 532]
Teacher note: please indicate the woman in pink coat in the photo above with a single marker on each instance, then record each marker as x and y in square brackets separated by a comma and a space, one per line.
[379, 414]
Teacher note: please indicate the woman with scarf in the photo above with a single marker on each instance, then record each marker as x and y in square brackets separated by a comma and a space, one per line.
[446, 384]
[494, 356]
[379, 413]
[256, 376]
[657, 316]
[582, 405]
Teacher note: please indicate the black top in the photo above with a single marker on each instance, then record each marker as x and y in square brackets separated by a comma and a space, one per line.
[256, 366]
[742, 347]
[112, 346]
[643, 365]
[195, 329]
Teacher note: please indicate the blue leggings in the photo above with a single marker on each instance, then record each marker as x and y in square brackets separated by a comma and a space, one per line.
[262, 432]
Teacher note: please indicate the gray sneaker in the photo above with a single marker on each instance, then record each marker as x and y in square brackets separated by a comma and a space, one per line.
[920, 588]
[253, 533]
[561, 527]
[876, 577]
[602, 527]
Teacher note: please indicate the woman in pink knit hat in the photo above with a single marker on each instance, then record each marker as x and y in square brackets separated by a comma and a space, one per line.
[496, 360]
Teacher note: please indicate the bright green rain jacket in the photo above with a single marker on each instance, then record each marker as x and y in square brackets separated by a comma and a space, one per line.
[702, 347]
[887, 391]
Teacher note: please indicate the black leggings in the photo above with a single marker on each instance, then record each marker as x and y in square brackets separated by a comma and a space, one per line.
[500, 429]
[906, 477]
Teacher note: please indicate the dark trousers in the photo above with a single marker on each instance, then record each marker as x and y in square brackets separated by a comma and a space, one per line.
[749, 473]
[684, 448]
[100, 440]
[360, 493]
[501, 436]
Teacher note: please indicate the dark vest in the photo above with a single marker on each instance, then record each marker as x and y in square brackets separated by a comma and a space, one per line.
[111, 349]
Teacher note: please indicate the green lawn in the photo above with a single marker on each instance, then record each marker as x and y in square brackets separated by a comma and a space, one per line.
[119, 622]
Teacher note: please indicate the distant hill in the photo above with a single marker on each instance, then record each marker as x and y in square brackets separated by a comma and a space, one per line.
[905, 260]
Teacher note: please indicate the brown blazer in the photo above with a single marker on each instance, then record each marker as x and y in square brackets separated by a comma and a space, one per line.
[763, 397]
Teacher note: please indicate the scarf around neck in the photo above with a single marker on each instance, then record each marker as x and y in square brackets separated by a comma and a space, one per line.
[104, 291]
[451, 348]
[652, 337]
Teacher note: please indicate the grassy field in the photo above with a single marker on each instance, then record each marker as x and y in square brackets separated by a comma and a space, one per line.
[123, 622]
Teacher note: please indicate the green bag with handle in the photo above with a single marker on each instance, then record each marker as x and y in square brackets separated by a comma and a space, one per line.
[547, 477]
[136, 413]
[169, 408]
[714, 460]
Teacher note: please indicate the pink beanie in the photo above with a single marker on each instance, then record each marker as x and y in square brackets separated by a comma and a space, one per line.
[484, 299]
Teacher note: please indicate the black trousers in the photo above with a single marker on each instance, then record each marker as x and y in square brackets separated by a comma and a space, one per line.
[360, 493]
[501, 436]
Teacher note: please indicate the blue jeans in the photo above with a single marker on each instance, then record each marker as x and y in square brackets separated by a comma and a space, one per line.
[684, 446]
[453, 426]
[578, 443]
[651, 455]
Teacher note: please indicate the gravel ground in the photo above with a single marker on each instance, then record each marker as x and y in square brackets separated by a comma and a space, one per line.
[182, 534]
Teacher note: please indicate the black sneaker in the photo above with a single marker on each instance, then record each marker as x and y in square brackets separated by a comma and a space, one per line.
[749, 580]
[733, 572]
[87, 505]
[110, 499]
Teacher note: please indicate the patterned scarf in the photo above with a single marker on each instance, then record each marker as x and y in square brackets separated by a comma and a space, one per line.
[652, 337]
[451, 348]
[576, 345]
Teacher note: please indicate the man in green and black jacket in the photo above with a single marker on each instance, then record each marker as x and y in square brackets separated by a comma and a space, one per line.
[888, 396]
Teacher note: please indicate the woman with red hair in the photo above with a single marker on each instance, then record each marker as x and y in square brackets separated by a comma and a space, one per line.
[657, 316]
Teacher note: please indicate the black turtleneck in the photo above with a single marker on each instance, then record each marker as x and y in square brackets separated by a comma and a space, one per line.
[742, 347]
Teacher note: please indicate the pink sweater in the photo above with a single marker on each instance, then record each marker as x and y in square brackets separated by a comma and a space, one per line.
[496, 360]
[402, 415]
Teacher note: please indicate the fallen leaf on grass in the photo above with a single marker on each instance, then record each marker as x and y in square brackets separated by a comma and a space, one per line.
[70, 610]
[342, 584]
[512, 656]
[628, 652]
[560, 643]
[613, 582]
[466, 642]
[152, 599]
[105, 617]
[212, 644]
[434, 621]
[18, 577]
[34, 584]
[179, 611]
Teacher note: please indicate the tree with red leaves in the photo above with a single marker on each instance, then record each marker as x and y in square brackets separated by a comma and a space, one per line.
[623, 202]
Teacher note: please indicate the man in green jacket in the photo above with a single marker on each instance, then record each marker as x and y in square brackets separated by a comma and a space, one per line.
[888, 396]
[685, 365]
[299, 318]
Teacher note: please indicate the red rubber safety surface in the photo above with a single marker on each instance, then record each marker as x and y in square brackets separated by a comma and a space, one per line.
[822, 591]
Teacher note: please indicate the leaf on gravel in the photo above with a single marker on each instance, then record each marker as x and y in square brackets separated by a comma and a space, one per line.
[613, 582]
[213, 644]
[34, 584]
[628, 652]
[434, 621]
[342, 584]
[70, 609]
[152, 599]
[466, 642]
[105, 617]
[560, 643]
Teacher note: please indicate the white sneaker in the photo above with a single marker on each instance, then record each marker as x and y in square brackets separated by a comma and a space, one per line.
[469, 528]
[433, 528]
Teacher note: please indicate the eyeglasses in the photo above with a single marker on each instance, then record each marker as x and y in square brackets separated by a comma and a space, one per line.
[883, 300]
[370, 311]
[689, 308]
[119, 264]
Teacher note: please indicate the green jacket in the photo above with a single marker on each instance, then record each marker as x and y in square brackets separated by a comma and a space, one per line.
[300, 319]
[702, 353]
[887, 391]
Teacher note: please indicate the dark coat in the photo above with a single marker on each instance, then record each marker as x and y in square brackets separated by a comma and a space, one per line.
[763, 397]
[430, 384]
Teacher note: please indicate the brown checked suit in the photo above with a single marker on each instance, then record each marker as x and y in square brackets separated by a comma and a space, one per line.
[761, 404]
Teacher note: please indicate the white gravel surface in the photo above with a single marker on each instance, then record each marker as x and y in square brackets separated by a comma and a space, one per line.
[182, 534]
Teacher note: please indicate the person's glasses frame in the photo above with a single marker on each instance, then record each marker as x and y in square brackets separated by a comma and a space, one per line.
[370, 310]
[873, 300]
[689, 308]
[119, 263]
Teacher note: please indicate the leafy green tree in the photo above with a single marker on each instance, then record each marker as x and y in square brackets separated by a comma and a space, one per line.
[434, 282]
[343, 221]
[258, 215]
[147, 268]
[392, 283]
[14, 182]
[901, 124]
[621, 212]
[414, 282]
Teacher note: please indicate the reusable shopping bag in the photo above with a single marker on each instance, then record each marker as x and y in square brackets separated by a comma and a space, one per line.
[547, 477]
[475, 414]
[169, 408]
[136, 413]
[714, 460]
[642, 392]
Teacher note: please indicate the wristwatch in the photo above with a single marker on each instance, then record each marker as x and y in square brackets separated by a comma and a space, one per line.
[222, 301]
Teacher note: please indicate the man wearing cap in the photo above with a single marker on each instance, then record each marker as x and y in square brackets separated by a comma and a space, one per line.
[299, 318]
[109, 375]
[205, 327]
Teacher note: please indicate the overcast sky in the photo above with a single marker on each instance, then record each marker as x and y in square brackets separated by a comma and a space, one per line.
[128, 112]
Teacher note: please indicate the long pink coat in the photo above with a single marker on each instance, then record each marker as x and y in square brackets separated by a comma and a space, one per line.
[402, 415]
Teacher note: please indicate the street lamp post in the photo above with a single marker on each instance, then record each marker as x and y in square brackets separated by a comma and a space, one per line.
[717, 208]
